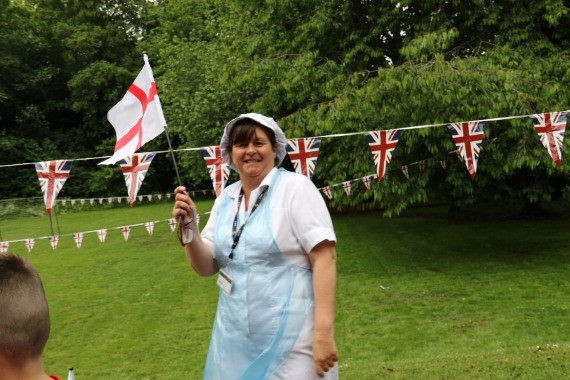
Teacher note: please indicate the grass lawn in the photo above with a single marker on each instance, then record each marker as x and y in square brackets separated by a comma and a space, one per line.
[420, 296]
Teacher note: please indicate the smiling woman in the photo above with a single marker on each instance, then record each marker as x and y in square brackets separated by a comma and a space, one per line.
[277, 266]
[253, 153]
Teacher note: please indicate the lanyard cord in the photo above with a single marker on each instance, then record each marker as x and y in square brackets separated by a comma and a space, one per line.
[237, 233]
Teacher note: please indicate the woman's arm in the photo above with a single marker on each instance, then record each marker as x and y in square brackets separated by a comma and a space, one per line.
[323, 259]
[199, 255]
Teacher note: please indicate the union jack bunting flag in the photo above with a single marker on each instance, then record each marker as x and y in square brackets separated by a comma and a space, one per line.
[53, 240]
[303, 153]
[52, 176]
[102, 234]
[382, 144]
[149, 227]
[468, 137]
[327, 191]
[134, 169]
[126, 230]
[78, 237]
[218, 168]
[30, 244]
[347, 187]
[550, 128]
[4, 245]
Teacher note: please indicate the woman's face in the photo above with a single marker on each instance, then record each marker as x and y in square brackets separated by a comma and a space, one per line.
[254, 159]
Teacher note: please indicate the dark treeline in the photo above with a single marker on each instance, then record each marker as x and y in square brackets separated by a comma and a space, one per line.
[318, 67]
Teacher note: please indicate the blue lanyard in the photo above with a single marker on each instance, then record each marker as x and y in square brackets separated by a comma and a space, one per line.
[237, 233]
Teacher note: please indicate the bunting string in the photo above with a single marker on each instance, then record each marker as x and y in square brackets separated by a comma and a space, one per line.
[322, 136]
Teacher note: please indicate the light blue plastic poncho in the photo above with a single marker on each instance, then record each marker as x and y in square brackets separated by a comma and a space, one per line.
[258, 324]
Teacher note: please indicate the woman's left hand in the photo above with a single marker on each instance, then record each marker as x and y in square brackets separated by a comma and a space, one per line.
[325, 352]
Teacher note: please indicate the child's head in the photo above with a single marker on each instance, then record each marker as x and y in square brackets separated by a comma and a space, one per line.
[24, 313]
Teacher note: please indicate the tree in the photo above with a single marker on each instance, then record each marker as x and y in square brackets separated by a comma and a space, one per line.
[337, 66]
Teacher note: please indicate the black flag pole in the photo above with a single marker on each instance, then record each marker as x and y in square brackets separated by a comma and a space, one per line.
[181, 219]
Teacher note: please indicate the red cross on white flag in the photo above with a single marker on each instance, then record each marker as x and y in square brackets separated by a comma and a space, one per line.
[78, 237]
[327, 191]
[172, 223]
[149, 227]
[30, 244]
[4, 245]
[138, 117]
[53, 240]
[126, 231]
[102, 234]
[347, 187]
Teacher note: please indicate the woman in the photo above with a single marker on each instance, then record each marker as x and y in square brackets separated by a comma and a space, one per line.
[270, 238]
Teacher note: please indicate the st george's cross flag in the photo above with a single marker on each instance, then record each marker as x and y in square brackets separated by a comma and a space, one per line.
[468, 137]
[78, 237]
[550, 128]
[4, 245]
[303, 153]
[218, 168]
[102, 235]
[382, 144]
[347, 186]
[126, 230]
[328, 192]
[149, 227]
[134, 170]
[138, 117]
[30, 244]
[52, 176]
[54, 240]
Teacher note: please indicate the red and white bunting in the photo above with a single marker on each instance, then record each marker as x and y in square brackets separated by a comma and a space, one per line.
[366, 181]
[126, 230]
[405, 171]
[78, 237]
[172, 223]
[102, 235]
[327, 191]
[54, 240]
[347, 187]
[4, 245]
[149, 227]
[30, 244]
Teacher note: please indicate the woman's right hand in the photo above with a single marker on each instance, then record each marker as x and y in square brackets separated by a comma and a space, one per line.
[184, 206]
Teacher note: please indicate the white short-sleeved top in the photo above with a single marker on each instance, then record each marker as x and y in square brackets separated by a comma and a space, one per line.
[299, 216]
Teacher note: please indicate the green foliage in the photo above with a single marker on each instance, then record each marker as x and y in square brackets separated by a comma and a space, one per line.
[317, 67]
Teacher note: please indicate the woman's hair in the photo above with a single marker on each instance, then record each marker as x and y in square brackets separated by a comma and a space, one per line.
[24, 312]
[244, 130]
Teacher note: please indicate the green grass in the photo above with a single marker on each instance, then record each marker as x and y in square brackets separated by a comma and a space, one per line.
[420, 296]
